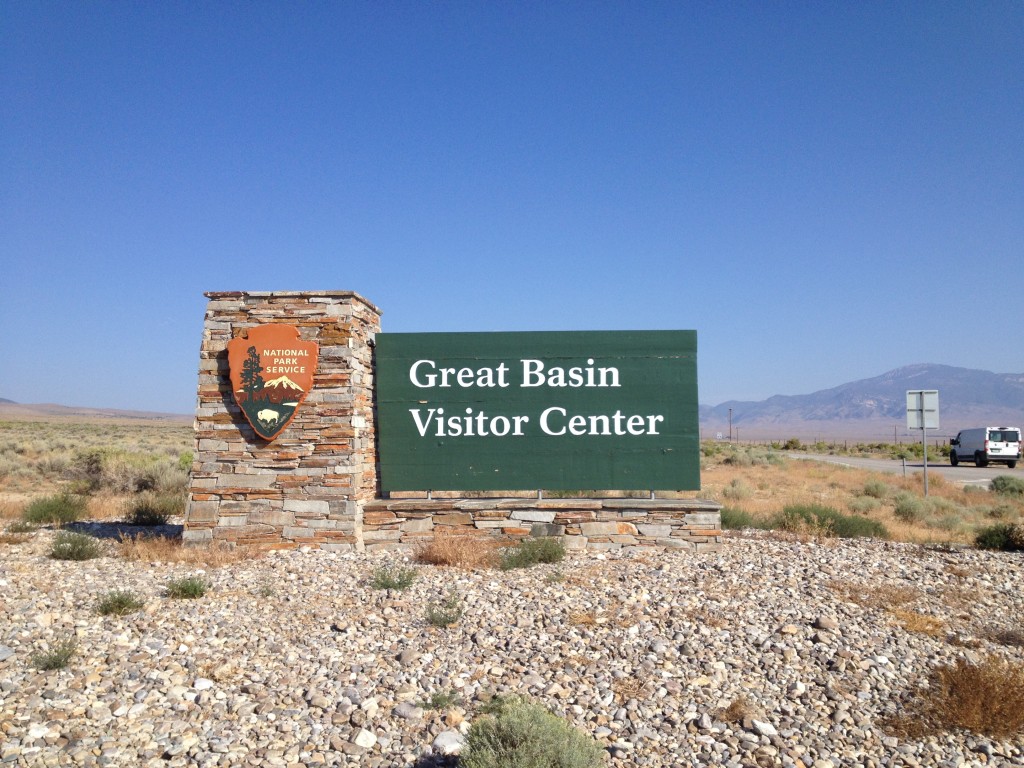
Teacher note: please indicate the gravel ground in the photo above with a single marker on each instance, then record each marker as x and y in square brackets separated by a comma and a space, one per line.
[770, 652]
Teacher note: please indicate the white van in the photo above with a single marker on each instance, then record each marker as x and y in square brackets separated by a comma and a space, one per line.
[986, 444]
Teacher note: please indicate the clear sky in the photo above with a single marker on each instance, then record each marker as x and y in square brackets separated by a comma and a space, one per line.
[824, 191]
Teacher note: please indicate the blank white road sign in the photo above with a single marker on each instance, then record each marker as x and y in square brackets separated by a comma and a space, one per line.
[922, 409]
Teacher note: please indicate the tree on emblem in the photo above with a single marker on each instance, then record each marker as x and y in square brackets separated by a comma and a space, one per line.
[251, 370]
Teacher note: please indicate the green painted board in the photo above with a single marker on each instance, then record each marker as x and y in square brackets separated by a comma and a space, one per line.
[587, 410]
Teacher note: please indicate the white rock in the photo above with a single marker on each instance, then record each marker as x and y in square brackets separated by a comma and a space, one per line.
[364, 739]
[449, 743]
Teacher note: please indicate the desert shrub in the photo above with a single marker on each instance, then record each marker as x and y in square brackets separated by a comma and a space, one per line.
[948, 522]
[22, 526]
[75, 546]
[910, 508]
[444, 613]
[709, 449]
[441, 700]
[739, 458]
[185, 460]
[393, 577]
[876, 489]
[56, 657]
[123, 471]
[187, 588]
[734, 519]
[519, 734]
[826, 521]
[1007, 537]
[529, 552]
[793, 444]
[986, 698]
[1007, 485]
[862, 504]
[150, 508]
[58, 510]
[118, 602]
[737, 489]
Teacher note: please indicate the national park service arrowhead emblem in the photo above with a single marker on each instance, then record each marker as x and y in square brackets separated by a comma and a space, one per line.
[271, 373]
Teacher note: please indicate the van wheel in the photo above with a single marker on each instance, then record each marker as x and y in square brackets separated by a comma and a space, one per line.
[1011, 464]
[953, 460]
[980, 460]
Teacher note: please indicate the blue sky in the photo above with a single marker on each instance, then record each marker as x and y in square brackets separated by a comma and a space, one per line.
[824, 191]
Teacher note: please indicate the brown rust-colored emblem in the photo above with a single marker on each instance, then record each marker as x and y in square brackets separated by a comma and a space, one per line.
[271, 373]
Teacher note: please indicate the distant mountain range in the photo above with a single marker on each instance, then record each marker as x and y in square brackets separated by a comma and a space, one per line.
[967, 397]
[9, 409]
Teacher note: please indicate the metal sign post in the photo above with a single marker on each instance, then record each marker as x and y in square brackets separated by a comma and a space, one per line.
[923, 414]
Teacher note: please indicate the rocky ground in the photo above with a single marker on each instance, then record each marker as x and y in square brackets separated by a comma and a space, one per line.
[770, 652]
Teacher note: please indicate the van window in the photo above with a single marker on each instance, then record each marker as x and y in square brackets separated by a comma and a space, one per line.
[1004, 436]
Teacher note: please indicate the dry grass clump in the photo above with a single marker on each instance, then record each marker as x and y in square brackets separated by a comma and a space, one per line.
[583, 618]
[912, 621]
[738, 710]
[627, 688]
[885, 596]
[457, 550]
[986, 698]
[161, 549]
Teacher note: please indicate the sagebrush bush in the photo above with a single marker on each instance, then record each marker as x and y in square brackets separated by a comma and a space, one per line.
[862, 504]
[1007, 485]
[735, 519]
[826, 521]
[393, 577]
[529, 552]
[876, 489]
[441, 700]
[1007, 537]
[737, 490]
[56, 657]
[444, 613]
[118, 602]
[909, 508]
[22, 526]
[151, 508]
[75, 546]
[519, 734]
[187, 588]
[61, 509]
[123, 471]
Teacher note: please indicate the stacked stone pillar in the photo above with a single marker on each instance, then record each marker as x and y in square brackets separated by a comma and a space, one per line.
[309, 485]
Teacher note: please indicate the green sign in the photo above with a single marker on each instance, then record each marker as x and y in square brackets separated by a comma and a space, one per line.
[596, 410]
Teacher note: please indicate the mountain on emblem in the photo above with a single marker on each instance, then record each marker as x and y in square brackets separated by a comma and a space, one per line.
[271, 371]
[284, 382]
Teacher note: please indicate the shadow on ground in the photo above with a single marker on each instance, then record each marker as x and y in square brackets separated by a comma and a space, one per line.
[118, 531]
[436, 761]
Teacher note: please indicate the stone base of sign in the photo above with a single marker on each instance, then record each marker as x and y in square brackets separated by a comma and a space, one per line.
[591, 524]
[308, 485]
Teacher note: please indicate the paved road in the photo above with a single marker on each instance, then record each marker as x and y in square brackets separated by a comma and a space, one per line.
[965, 474]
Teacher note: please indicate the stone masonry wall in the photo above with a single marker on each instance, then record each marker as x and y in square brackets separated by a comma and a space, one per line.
[307, 486]
[594, 524]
